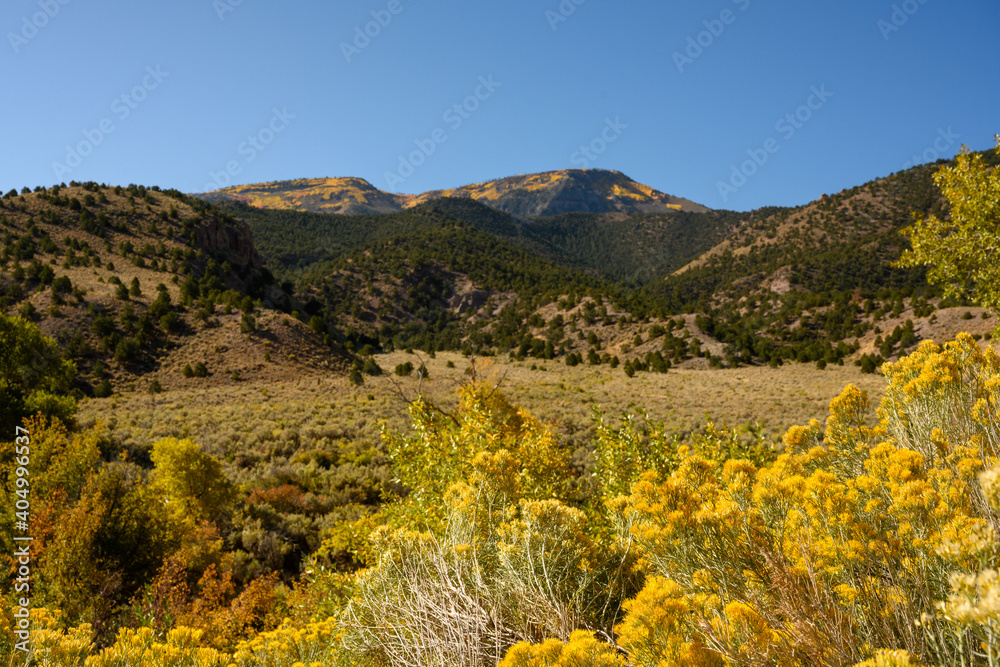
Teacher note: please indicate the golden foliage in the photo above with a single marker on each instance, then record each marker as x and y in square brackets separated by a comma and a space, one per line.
[142, 648]
[288, 645]
[443, 450]
[961, 250]
[505, 562]
[582, 650]
[190, 479]
[656, 631]
[313, 643]
[886, 658]
[842, 543]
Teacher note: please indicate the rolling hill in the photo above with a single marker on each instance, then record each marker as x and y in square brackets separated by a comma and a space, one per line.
[137, 284]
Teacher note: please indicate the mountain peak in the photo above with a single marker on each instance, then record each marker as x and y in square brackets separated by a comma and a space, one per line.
[525, 195]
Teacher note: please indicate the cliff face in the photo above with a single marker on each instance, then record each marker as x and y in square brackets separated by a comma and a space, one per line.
[232, 238]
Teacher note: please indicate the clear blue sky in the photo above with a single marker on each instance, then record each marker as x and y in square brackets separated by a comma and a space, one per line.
[202, 76]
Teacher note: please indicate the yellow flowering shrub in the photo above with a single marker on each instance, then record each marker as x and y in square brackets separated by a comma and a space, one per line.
[582, 650]
[972, 615]
[656, 628]
[943, 403]
[505, 569]
[639, 445]
[442, 448]
[989, 480]
[886, 658]
[316, 642]
[141, 648]
[843, 543]
[441, 451]
[49, 645]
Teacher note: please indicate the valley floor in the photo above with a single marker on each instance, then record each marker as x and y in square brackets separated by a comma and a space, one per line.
[282, 417]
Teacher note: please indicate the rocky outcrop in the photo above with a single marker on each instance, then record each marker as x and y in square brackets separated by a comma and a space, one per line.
[470, 300]
[230, 238]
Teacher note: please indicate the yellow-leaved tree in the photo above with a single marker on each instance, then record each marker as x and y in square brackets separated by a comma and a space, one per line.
[191, 480]
[962, 250]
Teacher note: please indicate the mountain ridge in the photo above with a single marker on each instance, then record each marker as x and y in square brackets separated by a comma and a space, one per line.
[526, 195]
[814, 283]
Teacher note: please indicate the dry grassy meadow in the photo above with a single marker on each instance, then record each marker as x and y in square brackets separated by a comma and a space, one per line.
[265, 420]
